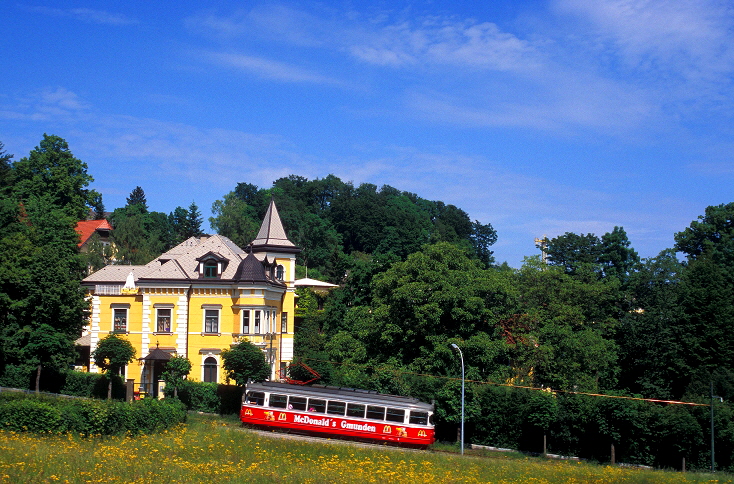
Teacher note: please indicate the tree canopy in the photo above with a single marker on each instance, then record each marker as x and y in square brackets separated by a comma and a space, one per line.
[245, 362]
[111, 355]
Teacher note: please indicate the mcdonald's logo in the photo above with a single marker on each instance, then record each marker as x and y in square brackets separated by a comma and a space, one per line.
[421, 433]
[248, 412]
[387, 429]
[281, 416]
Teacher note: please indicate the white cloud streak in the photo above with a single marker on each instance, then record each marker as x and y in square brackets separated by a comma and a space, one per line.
[268, 69]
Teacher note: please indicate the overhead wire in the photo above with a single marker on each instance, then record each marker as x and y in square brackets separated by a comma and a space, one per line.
[512, 385]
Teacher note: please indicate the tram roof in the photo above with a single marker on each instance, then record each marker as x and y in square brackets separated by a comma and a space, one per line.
[341, 393]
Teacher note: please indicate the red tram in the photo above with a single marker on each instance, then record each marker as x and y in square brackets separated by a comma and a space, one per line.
[339, 412]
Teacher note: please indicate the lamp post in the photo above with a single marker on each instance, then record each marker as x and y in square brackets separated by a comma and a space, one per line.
[455, 347]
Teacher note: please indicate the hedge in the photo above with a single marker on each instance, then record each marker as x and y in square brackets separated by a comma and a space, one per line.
[585, 426]
[208, 397]
[21, 412]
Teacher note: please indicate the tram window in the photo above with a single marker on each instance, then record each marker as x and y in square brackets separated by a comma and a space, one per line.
[297, 403]
[318, 406]
[336, 408]
[395, 415]
[255, 398]
[375, 413]
[355, 410]
[419, 418]
[278, 401]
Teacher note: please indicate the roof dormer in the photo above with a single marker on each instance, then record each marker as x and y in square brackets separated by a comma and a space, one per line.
[211, 265]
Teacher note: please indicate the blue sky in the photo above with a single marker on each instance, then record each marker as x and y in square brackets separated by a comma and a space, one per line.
[539, 117]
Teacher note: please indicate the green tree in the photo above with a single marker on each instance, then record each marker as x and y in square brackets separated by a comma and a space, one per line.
[706, 285]
[137, 197]
[193, 222]
[52, 172]
[436, 294]
[482, 237]
[45, 346]
[564, 333]
[175, 371]
[235, 219]
[111, 355]
[651, 350]
[245, 362]
[139, 235]
[617, 257]
[573, 251]
[6, 171]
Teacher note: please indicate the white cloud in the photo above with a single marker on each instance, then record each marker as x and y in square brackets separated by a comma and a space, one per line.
[443, 41]
[693, 37]
[269, 69]
[48, 104]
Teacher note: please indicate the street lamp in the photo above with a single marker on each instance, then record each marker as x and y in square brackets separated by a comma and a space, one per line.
[455, 347]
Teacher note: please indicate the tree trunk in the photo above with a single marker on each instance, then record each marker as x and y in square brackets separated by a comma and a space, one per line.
[109, 388]
[38, 378]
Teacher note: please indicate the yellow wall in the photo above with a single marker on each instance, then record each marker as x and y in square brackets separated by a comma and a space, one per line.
[188, 305]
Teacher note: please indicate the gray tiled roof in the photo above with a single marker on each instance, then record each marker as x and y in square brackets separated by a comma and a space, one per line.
[181, 264]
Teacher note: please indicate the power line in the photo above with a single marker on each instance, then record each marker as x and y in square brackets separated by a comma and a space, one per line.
[511, 385]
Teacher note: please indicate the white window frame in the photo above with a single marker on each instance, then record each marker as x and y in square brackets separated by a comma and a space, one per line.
[158, 309]
[205, 310]
[126, 309]
[246, 316]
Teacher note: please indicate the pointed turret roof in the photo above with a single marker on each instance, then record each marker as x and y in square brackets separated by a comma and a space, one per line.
[272, 234]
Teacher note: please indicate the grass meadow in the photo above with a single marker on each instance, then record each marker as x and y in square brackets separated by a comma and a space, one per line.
[212, 449]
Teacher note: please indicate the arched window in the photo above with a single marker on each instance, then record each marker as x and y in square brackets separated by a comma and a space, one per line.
[279, 273]
[210, 268]
[210, 370]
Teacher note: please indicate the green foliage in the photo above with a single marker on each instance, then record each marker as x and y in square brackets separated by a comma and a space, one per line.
[111, 354]
[137, 197]
[52, 173]
[139, 235]
[235, 219]
[92, 385]
[17, 376]
[175, 371]
[332, 221]
[198, 396]
[46, 347]
[245, 362]
[22, 413]
[97, 255]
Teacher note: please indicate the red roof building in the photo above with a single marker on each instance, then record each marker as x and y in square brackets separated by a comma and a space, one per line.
[87, 228]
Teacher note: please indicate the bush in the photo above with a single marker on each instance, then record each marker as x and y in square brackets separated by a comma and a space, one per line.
[198, 396]
[26, 412]
[91, 385]
[31, 415]
[208, 397]
[17, 376]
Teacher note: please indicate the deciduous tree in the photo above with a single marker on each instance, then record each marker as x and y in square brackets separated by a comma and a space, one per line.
[112, 354]
[175, 371]
[245, 362]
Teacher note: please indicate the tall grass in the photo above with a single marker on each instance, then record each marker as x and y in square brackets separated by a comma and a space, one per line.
[211, 449]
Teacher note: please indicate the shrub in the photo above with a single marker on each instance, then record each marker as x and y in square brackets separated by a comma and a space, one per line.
[27, 412]
[91, 385]
[198, 396]
[17, 376]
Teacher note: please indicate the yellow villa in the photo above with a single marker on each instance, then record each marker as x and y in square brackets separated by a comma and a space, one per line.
[196, 300]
